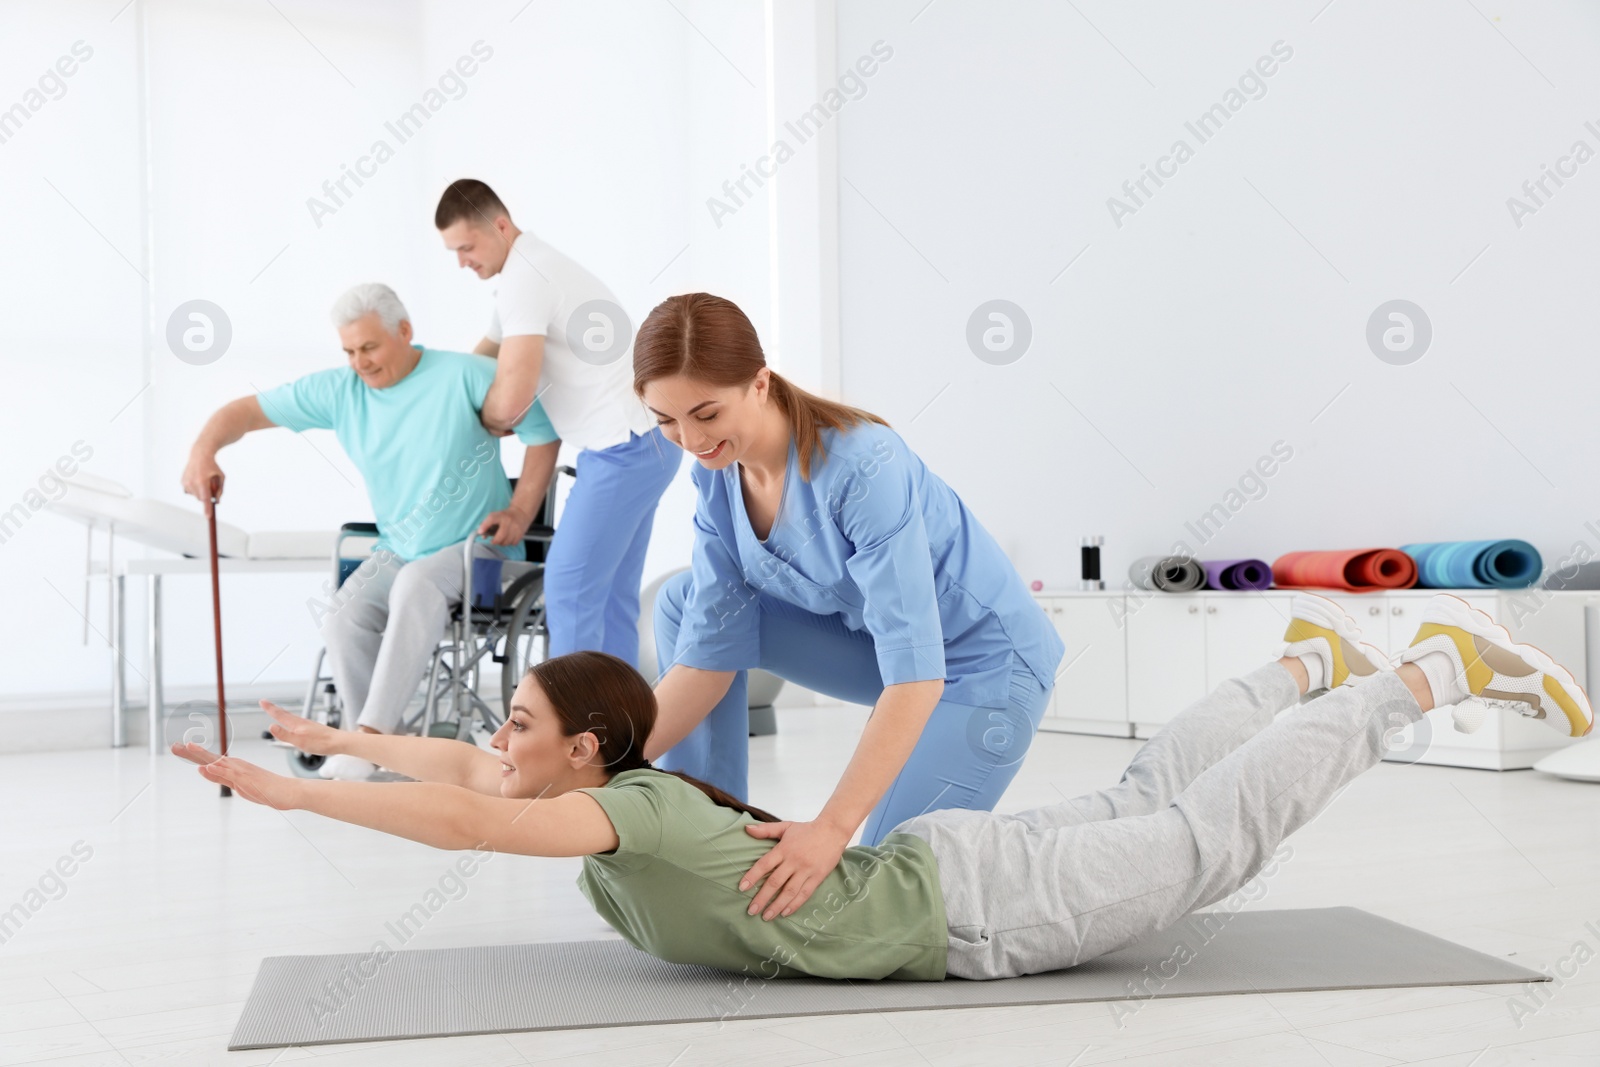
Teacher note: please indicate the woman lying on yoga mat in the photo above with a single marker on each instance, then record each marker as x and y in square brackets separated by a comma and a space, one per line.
[969, 894]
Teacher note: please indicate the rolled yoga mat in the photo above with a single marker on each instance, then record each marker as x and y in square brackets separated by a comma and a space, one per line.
[497, 989]
[1238, 574]
[1356, 569]
[1169, 574]
[1476, 564]
[1574, 576]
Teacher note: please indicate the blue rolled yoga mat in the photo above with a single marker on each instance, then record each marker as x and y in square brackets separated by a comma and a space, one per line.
[1476, 564]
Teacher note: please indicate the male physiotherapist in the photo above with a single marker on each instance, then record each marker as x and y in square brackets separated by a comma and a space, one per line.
[560, 337]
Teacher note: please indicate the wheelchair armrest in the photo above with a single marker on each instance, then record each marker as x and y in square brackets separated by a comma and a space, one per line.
[368, 528]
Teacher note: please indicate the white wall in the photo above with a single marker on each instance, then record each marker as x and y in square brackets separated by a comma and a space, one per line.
[603, 125]
[1221, 317]
[72, 335]
[1211, 323]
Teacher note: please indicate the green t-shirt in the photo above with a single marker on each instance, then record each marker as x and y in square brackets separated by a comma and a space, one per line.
[671, 888]
[433, 472]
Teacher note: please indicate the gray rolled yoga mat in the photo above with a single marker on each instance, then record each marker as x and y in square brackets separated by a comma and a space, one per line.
[1574, 576]
[386, 994]
[1169, 574]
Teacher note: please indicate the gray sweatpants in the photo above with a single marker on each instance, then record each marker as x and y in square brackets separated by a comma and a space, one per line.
[384, 626]
[1199, 811]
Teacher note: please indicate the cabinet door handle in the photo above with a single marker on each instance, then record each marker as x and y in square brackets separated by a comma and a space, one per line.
[1372, 610]
[1211, 609]
[1397, 610]
[1194, 609]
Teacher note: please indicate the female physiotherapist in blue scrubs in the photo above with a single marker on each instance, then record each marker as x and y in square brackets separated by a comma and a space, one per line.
[827, 553]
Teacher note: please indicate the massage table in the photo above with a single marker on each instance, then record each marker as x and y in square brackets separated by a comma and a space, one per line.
[102, 504]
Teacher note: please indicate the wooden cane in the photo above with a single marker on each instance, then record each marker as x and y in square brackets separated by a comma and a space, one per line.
[216, 618]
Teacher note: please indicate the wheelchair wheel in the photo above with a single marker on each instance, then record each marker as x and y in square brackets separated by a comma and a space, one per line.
[527, 639]
[328, 710]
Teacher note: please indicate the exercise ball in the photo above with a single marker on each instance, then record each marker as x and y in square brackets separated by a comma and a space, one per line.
[763, 685]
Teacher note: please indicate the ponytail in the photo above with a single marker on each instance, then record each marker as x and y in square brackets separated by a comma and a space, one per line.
[717, 796]
[809, 413]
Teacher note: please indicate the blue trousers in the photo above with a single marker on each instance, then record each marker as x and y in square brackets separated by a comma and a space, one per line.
[596, 559]
[965, 757]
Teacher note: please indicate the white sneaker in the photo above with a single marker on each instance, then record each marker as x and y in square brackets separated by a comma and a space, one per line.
[1497, 671]
[1319, 626]
[347, 768]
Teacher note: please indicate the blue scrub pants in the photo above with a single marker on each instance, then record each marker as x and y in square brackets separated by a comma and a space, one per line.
[965, 757]
[596, 559]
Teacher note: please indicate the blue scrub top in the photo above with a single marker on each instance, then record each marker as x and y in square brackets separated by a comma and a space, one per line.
[882, 541]
[432, 471]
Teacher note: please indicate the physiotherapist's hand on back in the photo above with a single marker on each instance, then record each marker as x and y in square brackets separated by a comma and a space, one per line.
[806, 853]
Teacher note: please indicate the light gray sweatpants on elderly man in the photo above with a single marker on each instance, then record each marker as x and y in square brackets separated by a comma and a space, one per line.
[1199, 811]
[384, 625]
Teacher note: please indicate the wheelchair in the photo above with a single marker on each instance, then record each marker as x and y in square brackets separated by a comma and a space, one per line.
[500, 620]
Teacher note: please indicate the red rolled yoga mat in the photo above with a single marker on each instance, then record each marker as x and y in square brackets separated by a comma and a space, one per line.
[1357, 570]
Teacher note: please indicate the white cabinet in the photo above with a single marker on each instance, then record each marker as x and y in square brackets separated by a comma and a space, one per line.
[1242, 634]
[1091, 693]
[1134, 661]
[1181, 647]
[1166, 656]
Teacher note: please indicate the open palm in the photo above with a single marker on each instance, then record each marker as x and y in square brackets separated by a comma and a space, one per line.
[319, 739]
[246, 779]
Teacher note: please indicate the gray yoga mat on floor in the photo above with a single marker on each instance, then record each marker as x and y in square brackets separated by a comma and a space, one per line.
[575, 984]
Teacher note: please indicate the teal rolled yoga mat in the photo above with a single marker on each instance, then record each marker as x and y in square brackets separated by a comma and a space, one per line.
[1476, 564]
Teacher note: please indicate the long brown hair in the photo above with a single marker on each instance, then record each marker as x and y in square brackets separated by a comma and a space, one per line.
[710, 340]
[598, 693]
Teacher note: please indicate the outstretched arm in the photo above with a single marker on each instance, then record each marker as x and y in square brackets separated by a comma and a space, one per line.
[881, 517]
[685, 696]
[443, 816]
[427, 759]
[230, 422]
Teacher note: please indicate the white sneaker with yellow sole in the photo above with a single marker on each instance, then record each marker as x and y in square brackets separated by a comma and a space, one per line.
[1497, 671]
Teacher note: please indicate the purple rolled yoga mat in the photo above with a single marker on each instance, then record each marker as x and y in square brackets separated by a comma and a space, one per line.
[1238, 574]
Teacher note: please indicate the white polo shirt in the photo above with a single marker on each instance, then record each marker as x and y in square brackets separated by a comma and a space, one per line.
[588, 393]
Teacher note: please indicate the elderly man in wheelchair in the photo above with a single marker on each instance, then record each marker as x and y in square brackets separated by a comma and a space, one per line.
[408, 417]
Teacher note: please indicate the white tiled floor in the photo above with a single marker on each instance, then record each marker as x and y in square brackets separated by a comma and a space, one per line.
[148, 954]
